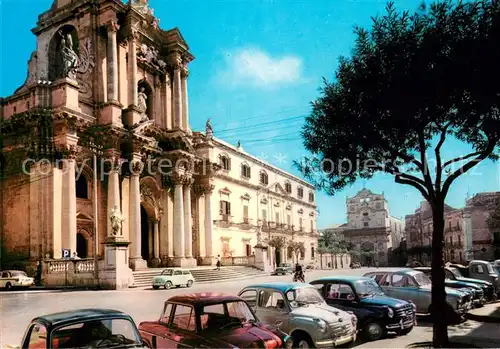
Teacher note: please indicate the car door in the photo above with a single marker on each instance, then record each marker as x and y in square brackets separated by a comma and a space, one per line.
[181, 328]
[341, 296]
[478, 271]
[392, 284]
[177, 278]
[273, 309]
[3, 278]
[249, 295]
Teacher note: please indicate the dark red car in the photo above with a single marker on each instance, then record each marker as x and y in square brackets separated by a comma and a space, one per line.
[210, 320]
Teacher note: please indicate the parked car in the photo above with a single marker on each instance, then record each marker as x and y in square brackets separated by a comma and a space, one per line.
[173, 277]
[377, 313]
[84, 328]
[355, 266]
[483, 270]
[311, 265]
[410, 284]
[476, 291]
[453, 272]
[284, 268]
[300, 310]
[210, 320]
[10, 279]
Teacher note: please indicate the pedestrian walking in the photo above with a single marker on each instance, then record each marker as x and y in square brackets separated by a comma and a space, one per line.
[218, 262]
[38, 278]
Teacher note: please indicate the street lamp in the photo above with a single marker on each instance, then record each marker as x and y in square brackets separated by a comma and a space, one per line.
[96, 150]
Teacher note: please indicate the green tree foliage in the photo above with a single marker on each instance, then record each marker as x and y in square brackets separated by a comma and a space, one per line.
[412, 82]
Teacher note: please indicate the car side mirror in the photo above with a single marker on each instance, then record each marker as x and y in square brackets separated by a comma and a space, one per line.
[278, 323]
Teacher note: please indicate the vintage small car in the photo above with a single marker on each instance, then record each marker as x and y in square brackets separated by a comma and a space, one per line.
[410, 284]
[456, 272]
[377, 313]
[84, 328]
[173, 277]
[476, 291]
[210, 320]
[483, 270]
[283, 269]
[299, 310]
[10, 279]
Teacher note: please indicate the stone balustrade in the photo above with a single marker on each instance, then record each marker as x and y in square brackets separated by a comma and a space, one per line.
[68, 272]
[247, 261]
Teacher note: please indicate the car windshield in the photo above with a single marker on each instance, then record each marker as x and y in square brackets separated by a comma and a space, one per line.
[495, 267]
[106, 333]
[303, 296]
[167, 272]
[421, 279]
[285, 265]
[19, 273]
[366, 288]
[455, 272]
[214, 317]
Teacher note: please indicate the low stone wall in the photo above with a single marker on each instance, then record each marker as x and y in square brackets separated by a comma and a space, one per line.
[70, 272]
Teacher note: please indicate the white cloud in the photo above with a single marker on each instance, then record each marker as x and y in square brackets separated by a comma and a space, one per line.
[252, 66]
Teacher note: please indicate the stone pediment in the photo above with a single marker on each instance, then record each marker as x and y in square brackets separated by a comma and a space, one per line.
[263, 201]
[225, 190]
[83, 216]
[279, 189]
[245, 196]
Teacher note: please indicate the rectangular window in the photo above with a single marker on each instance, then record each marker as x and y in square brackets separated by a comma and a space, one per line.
[312, 252]
[365, 224]
[225, 210]
[289, 220]
[245, 214]
[312, 225]
[300, 193]
[277, 218]
[264, 216]
[300, 223]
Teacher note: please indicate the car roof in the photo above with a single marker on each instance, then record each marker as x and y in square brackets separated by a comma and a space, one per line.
[423, 268]
[350, 278]
[280, 286]
[79, 315]
[203, 298]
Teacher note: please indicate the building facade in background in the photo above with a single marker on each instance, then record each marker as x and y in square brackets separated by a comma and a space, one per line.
[371, 228]
[467, 234]
[105, 79]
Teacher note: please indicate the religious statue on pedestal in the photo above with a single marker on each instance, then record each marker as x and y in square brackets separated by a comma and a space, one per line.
[69, 56]
[142, 104]
[209, 131]
[116, 221]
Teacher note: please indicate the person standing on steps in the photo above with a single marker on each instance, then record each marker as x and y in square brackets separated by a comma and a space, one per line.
[218, 262]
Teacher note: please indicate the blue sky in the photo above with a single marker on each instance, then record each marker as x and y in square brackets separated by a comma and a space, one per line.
[258, 65]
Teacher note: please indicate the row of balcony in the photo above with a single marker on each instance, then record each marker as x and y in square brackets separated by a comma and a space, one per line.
[226, 221]
[447, 245]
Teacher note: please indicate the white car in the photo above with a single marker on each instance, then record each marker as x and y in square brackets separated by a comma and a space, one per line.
[15, 278]
[173, 277]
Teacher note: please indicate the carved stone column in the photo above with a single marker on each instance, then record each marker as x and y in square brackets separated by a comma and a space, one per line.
[168, 102]
[156, 243]
[150, 238]
[188, 248]
[179, 232]
[185, 109]
[136, 166]
[113, 197]
[132, 56]
[177, 86]
[69, 205]
[112, 63]
[208, 189]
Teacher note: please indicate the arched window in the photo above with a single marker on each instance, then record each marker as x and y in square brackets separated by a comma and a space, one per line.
[245, 171]
[225, 162]
[311, 196]
[82, 187]
[264, 179]
[288, 187]
[300, 192]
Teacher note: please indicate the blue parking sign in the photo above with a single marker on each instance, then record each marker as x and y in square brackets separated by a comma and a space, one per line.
[66, 253]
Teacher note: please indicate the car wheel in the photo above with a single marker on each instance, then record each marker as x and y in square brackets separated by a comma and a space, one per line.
[405, 331]
[168, 285]
[302, 342]
[190, 283]
[373, 331]
[156, 287]
[8, 286]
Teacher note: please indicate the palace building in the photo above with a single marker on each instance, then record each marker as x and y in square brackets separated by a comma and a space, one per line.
[107, 85]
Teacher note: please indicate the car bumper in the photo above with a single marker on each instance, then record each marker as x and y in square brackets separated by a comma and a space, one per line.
[328, 343]
[402, 324]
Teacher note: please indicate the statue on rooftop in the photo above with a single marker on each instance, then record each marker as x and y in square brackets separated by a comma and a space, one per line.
[69, 56]
[209, 131]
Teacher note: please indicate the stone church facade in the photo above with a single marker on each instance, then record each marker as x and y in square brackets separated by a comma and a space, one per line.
[97, 145]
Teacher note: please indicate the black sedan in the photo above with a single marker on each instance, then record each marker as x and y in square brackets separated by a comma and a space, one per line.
[377, 314]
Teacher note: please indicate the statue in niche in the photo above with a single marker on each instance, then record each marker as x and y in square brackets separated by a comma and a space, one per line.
[142, 103]
[116, 221]
[209, 131]
[69, 56]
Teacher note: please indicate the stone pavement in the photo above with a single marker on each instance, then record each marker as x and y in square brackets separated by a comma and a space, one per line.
[488, 313]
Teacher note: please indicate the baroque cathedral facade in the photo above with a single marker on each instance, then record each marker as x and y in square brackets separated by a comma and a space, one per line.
[97, 143]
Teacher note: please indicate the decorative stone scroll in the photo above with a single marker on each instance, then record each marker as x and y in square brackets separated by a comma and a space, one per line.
[150, 55]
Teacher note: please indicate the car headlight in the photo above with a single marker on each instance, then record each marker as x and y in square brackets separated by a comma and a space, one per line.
[414, 306]
[321, 325]
[390, 313]
[288, 341]
[354, 320]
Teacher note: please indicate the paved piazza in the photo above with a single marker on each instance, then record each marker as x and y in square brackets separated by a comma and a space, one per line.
[19, 307]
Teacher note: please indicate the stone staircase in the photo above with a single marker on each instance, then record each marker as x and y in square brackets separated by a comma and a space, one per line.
[143, 278]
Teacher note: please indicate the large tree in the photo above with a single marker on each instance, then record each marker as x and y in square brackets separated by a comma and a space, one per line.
[412, 82]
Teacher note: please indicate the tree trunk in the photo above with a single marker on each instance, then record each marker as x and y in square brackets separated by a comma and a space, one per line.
[321, 261]
[439, 311]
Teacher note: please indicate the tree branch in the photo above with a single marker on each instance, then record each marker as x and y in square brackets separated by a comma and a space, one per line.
[425, 165]
[414, 184]
[437, 151]
[466, 167]
[460, 158]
